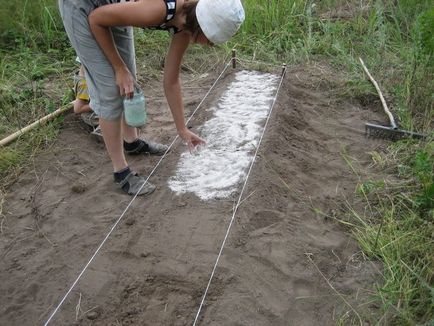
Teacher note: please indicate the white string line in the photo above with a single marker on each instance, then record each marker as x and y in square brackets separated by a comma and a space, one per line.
[130, 203]
[239, 200]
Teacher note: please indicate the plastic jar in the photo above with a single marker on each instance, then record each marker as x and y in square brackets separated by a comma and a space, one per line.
[135, 109]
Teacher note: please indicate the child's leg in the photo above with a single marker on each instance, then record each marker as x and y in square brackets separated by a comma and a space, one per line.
[81, 106]
[81, 103]
[81, 71]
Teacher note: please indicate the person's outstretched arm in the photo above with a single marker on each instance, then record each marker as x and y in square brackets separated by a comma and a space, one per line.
[172, 87]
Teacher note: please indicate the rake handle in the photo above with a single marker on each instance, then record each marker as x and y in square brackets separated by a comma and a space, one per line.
[15, 135]
[383, 101]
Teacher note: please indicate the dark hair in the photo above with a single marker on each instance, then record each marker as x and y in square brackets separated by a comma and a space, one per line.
[191, 24]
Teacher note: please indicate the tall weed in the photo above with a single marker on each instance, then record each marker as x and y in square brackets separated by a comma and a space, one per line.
[393, 37]
[28, 23]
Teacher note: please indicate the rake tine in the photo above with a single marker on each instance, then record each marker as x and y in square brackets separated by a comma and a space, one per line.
[391, 133]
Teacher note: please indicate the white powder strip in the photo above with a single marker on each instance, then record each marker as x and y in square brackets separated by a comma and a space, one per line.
[216, 170]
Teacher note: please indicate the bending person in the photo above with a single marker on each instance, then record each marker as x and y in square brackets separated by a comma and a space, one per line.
[96, 29]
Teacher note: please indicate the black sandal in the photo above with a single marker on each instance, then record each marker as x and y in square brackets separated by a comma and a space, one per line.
[134, 184]
[145, 147]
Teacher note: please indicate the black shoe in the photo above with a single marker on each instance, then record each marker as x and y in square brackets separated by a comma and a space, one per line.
[139, 146]
[134, 184]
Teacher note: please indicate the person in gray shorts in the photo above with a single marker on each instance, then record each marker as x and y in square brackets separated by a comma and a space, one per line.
[101, 33]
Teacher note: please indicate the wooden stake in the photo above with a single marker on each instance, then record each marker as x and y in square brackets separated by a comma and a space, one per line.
[283, 69]
[35, 124]
[234, 58]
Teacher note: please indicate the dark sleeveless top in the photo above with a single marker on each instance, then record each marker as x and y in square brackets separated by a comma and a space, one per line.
[170, 14]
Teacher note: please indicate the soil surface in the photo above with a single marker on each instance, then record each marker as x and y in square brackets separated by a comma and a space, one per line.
[287, 260]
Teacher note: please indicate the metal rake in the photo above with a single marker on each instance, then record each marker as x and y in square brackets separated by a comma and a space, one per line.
[391, 132]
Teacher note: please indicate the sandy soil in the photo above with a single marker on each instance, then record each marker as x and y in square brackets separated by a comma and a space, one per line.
[281, 260]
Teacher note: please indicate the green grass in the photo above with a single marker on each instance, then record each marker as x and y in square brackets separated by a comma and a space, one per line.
[395, 40]
[30, 23]
[392, 38]
[34, 72]
[401, 234]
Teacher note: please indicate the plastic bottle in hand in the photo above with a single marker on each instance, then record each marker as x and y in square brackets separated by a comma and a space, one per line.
[135, 109]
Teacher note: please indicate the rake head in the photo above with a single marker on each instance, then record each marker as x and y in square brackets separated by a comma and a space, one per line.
[390, 133]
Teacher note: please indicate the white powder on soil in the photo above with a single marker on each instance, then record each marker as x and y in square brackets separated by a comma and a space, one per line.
[232, 134]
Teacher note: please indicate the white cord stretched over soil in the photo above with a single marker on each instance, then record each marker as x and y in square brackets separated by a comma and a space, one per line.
[131, 202]
[239, 200]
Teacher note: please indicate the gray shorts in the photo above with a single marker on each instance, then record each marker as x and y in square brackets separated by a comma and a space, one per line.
[105, 98]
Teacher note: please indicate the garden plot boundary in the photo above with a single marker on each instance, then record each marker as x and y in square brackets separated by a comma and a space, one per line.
[233, 61]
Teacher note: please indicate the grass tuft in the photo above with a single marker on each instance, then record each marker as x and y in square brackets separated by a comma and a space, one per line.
[401, 233]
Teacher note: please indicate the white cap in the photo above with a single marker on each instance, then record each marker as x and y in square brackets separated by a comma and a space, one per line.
[219, 19]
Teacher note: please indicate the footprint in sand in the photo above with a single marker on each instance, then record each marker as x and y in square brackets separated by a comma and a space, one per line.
[264, 218]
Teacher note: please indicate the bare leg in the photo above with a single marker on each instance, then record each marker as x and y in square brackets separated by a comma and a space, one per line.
[81, 106]
[130, 134]
[132, 184]
[135, 145]
[111, 131]
[81, 72]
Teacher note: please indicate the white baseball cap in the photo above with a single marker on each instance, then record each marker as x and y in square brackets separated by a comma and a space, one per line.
[219, 19]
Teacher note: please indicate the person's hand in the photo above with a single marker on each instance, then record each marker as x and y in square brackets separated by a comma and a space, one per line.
[191, 139]
[125, 82]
